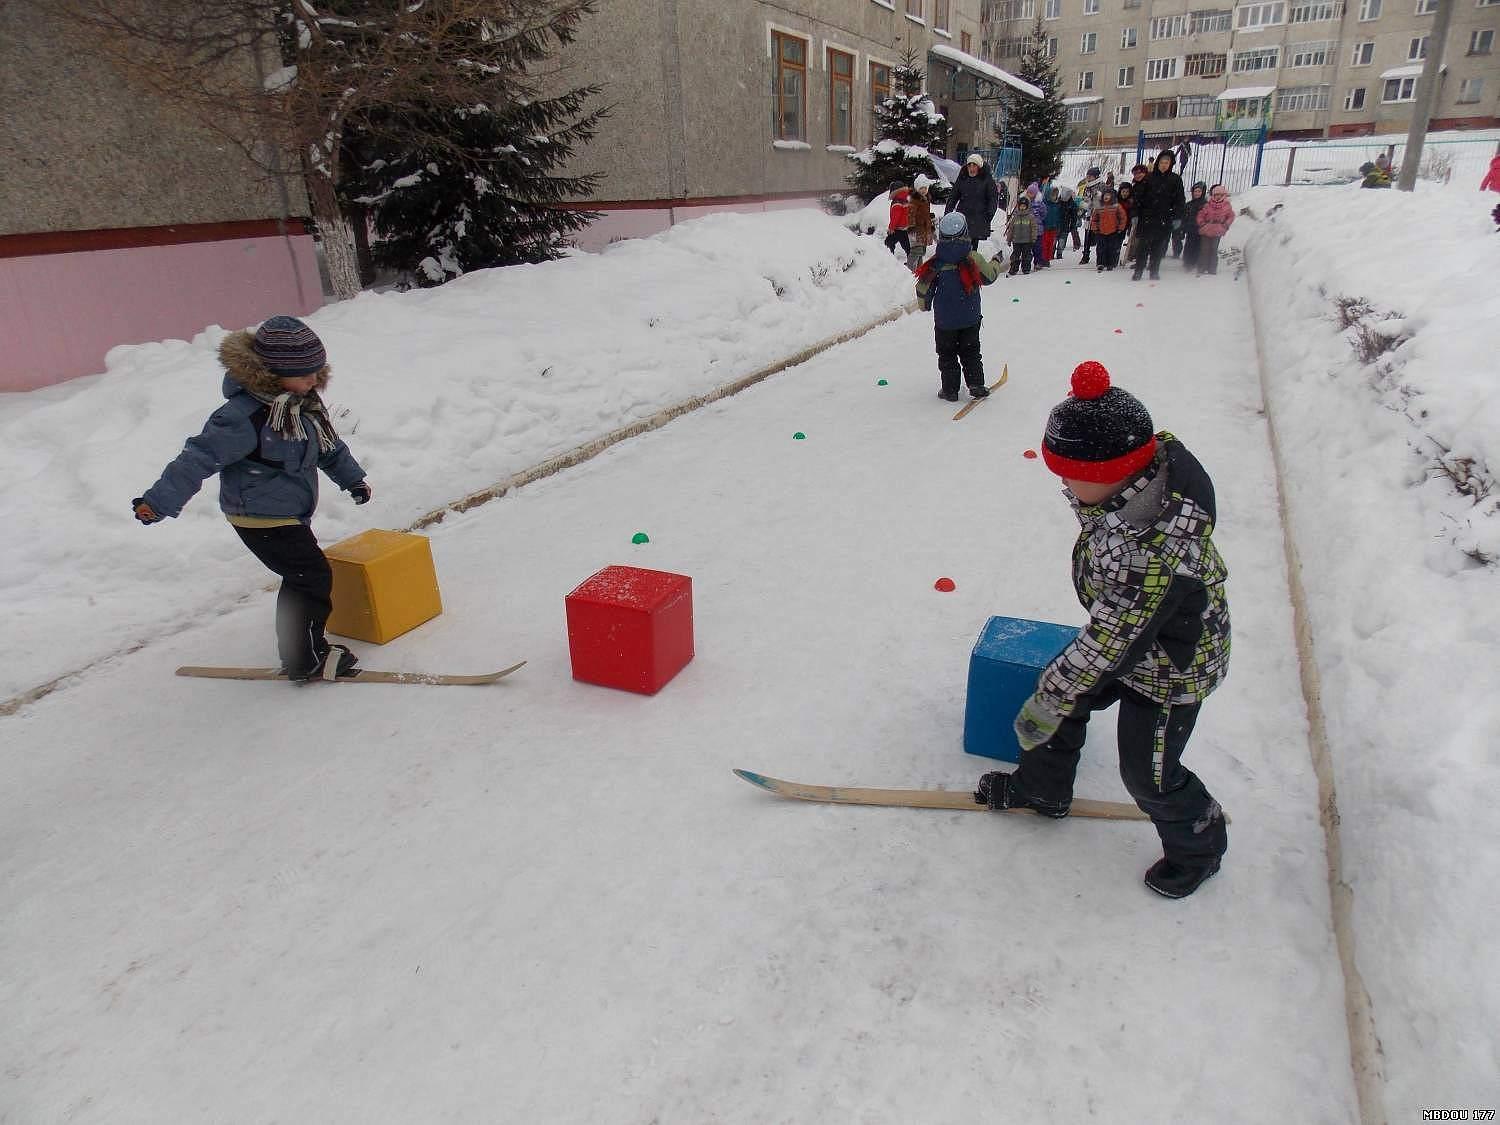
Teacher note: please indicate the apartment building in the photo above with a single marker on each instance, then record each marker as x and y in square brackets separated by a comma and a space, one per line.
[1301, 68]
[754, 104]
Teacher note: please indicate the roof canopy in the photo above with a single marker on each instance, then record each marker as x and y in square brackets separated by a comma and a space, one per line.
[1241, 92]
[979, 67]
[1083, 101]
[1412, 71]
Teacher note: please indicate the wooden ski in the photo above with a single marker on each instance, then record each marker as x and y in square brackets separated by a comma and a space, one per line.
[973, 402]
[361, 676]
[923, 798]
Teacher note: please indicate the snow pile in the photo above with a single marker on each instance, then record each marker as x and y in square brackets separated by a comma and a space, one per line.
[438, 392]
[1379, 329]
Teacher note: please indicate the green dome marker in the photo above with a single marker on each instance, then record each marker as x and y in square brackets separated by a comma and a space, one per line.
[882, 383]
[640, 537]
[799, 436]
[1015, 300]
[1067, 283]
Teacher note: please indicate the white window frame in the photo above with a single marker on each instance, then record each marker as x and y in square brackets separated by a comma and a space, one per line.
[1270, 57]
[1416, 50]
[1085, 81]
[1091, 7]
[1474, 97]
[1426, 7]
[1369, 10]
[1406, 91]
[1316, 11]
[1122, 115]
[1080, 114]
[1254, 17]
[1166, 69]
[1302, 99]
[1367, 49]
[1052, 47]
[1210, 20]
[1207, 102]
[1052, 10]
[1484, 36]
[1168, 27]
[1301, 55]
[1128, 39]
[1354, 100]
[1125, 78]
[1188, 72]
[1488, 4]
[1088, 42]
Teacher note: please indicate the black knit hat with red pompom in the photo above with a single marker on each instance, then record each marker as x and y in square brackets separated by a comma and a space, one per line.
[1098, 433]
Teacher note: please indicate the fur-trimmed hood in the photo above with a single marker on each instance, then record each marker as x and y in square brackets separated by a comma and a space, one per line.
[244, 371]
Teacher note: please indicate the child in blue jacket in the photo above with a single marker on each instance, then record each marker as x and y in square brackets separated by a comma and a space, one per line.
[948, 284]
[267, 443]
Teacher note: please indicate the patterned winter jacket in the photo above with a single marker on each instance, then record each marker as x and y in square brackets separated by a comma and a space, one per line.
[1146, 569]
[262, 471]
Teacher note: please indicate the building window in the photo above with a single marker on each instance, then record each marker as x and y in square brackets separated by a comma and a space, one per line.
[1122, 115]
[1416, 51]
[789, 106]
[1252, 16]
[1079, 114]
[840, 97]
[1200, 23]
[1309, 54]
[1426, 7]
[1158, 109]
[914, 9]
[1052, 47]
[1127, 38]
[1013, 10]
[1355, 99]
[965, 42]
[1085, 81]
[1091, 7]
[940, 15]
[880, 89]
[1318, 12]
[1168, 27]
[1158, 70]
[1470, 90]
[1369, 10]
[1196, 105]
[1236, 108]
[1204, 66]
[1088, 42]
[1481, 42]
[1364, 54]
[1053, 10]
[1399, 90]
[1301, 99]
[1487, 3]
[1126, 77]
[1264, 58]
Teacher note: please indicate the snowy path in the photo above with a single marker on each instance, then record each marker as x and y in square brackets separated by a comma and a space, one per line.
[545, 902]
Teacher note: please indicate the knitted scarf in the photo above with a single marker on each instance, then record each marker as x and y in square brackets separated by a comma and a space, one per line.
[289, 410]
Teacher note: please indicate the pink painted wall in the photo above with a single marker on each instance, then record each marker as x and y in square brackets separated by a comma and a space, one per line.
[643, 222]
[60, 313]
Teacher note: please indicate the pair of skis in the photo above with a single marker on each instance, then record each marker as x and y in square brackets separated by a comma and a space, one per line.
[973, 402]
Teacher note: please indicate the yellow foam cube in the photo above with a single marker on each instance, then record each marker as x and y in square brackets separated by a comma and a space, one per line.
[383, 585]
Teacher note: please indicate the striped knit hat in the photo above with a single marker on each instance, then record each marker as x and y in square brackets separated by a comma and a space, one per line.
[1098, 433]
[289, 348]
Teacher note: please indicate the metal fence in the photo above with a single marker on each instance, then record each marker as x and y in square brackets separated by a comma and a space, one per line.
[1239, 166]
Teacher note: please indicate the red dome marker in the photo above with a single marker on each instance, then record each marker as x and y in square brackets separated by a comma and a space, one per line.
[1139, 305]
[945, 585]
[1119, 331]
[1030, 455]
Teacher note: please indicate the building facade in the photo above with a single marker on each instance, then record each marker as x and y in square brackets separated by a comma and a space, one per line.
[753, 104]
[122, 221]
[1301, 68]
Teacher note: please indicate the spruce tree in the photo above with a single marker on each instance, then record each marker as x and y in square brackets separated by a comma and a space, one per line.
[481, 190]
[908, 130]
[1039, 125]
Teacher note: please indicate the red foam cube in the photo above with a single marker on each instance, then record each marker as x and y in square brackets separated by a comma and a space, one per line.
[630, 628]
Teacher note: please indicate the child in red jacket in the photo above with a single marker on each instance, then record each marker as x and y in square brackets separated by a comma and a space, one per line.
[900, 219]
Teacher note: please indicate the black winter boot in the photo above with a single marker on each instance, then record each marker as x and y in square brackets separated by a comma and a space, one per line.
[979, 392]
[1173, 880]
[338, 663]
[998, 792]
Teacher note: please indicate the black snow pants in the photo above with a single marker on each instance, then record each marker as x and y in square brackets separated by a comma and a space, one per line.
[306, 597]
[959, 347]
[1152, 737]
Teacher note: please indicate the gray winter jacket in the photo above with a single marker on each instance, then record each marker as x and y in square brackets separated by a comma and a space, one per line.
[262, 472]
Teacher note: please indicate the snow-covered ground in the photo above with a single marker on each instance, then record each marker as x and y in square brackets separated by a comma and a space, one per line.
[544, 901]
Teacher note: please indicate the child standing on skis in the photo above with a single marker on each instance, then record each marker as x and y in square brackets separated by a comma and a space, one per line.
[948, 283]
[267, 443]
[1157, 642]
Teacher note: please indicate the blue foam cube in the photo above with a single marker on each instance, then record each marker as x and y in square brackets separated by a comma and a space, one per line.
[1003, 669]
